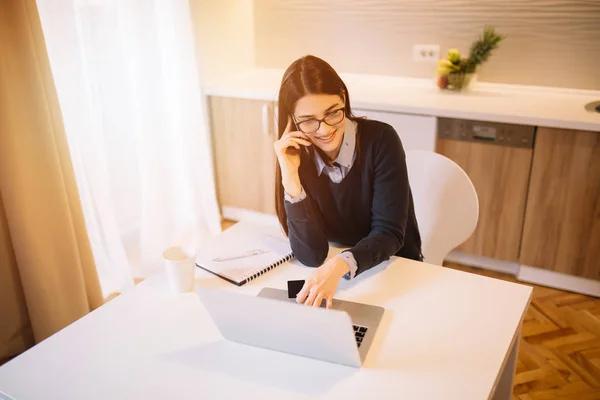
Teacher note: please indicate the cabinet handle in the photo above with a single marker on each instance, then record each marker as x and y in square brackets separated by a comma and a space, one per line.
[265, 119]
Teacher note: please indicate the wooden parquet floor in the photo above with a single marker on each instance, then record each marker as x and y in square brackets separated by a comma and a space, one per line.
[559, 353]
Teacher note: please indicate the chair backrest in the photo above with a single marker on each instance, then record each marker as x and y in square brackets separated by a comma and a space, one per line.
[446, 203]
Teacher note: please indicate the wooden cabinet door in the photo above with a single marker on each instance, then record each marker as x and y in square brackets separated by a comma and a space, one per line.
[243, 133]
[500, 175]
[562, 220]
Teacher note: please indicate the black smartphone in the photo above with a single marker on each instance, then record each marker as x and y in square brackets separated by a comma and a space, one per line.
[294, 287]
[294, 151]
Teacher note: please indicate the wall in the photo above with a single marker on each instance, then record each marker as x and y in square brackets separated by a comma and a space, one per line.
[549, 42]
[224, 36]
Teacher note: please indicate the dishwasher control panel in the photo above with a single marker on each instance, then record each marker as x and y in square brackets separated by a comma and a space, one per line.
[486, 132]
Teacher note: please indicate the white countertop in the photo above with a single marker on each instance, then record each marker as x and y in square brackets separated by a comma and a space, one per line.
[527, 105]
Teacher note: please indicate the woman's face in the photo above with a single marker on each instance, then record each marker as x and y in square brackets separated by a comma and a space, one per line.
[313, 107]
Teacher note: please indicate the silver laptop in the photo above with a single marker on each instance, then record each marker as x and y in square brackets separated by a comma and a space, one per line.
[342, 334]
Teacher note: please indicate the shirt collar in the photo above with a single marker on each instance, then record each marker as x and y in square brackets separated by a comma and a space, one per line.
[346, 155]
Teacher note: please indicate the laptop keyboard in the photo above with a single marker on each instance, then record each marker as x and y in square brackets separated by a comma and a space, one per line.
[359, 333]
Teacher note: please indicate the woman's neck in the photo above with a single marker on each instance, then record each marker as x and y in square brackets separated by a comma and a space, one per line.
[332, 155]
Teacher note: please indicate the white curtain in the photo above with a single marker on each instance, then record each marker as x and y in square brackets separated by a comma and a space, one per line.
[127, 80]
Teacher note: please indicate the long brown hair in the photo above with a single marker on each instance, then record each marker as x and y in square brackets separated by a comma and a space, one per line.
[307, 75]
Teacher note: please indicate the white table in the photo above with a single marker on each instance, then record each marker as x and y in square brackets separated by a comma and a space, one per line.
[446, 335]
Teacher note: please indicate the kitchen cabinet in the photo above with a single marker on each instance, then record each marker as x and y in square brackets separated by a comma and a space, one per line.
[243, 132]
[539, 204]
[499, 170]
[417, 132]
[562, 219]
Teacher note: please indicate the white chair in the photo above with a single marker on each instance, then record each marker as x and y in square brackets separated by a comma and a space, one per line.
[446, 203]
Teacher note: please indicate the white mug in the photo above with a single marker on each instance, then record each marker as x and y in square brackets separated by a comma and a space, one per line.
[179, 268]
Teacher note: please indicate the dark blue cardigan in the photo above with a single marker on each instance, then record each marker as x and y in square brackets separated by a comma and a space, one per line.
[370, 210]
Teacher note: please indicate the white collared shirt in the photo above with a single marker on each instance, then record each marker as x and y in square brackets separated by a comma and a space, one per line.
[343, 162]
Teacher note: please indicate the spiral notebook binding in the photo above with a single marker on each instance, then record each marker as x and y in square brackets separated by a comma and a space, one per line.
[266, 268]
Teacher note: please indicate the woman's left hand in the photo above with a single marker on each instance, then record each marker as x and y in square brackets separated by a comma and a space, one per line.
[322, 283]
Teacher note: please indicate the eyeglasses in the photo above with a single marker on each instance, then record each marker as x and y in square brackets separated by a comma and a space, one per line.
[312, 125]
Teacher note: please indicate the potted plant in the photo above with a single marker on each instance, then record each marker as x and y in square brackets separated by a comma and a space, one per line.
[457, 73]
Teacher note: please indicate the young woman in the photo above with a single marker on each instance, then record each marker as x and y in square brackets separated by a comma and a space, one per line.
[339, 179]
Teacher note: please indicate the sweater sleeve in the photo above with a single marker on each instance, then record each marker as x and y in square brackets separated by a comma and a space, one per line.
[390, 207]
[306, 231]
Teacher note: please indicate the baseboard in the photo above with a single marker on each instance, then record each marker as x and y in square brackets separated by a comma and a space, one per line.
[526, 273]
[242, 214]
[544, 277]
[491, 264]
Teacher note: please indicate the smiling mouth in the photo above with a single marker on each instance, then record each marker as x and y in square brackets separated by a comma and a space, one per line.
[326, 139]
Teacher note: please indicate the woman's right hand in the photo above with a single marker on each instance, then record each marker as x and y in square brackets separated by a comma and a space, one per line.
[288, 149]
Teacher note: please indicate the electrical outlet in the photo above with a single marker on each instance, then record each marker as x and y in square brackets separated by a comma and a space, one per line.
[426, 52]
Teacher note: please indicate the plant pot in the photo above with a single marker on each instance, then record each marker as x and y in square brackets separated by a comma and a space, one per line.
[460, 81]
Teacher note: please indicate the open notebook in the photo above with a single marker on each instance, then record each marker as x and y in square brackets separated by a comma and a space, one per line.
[244, 252]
